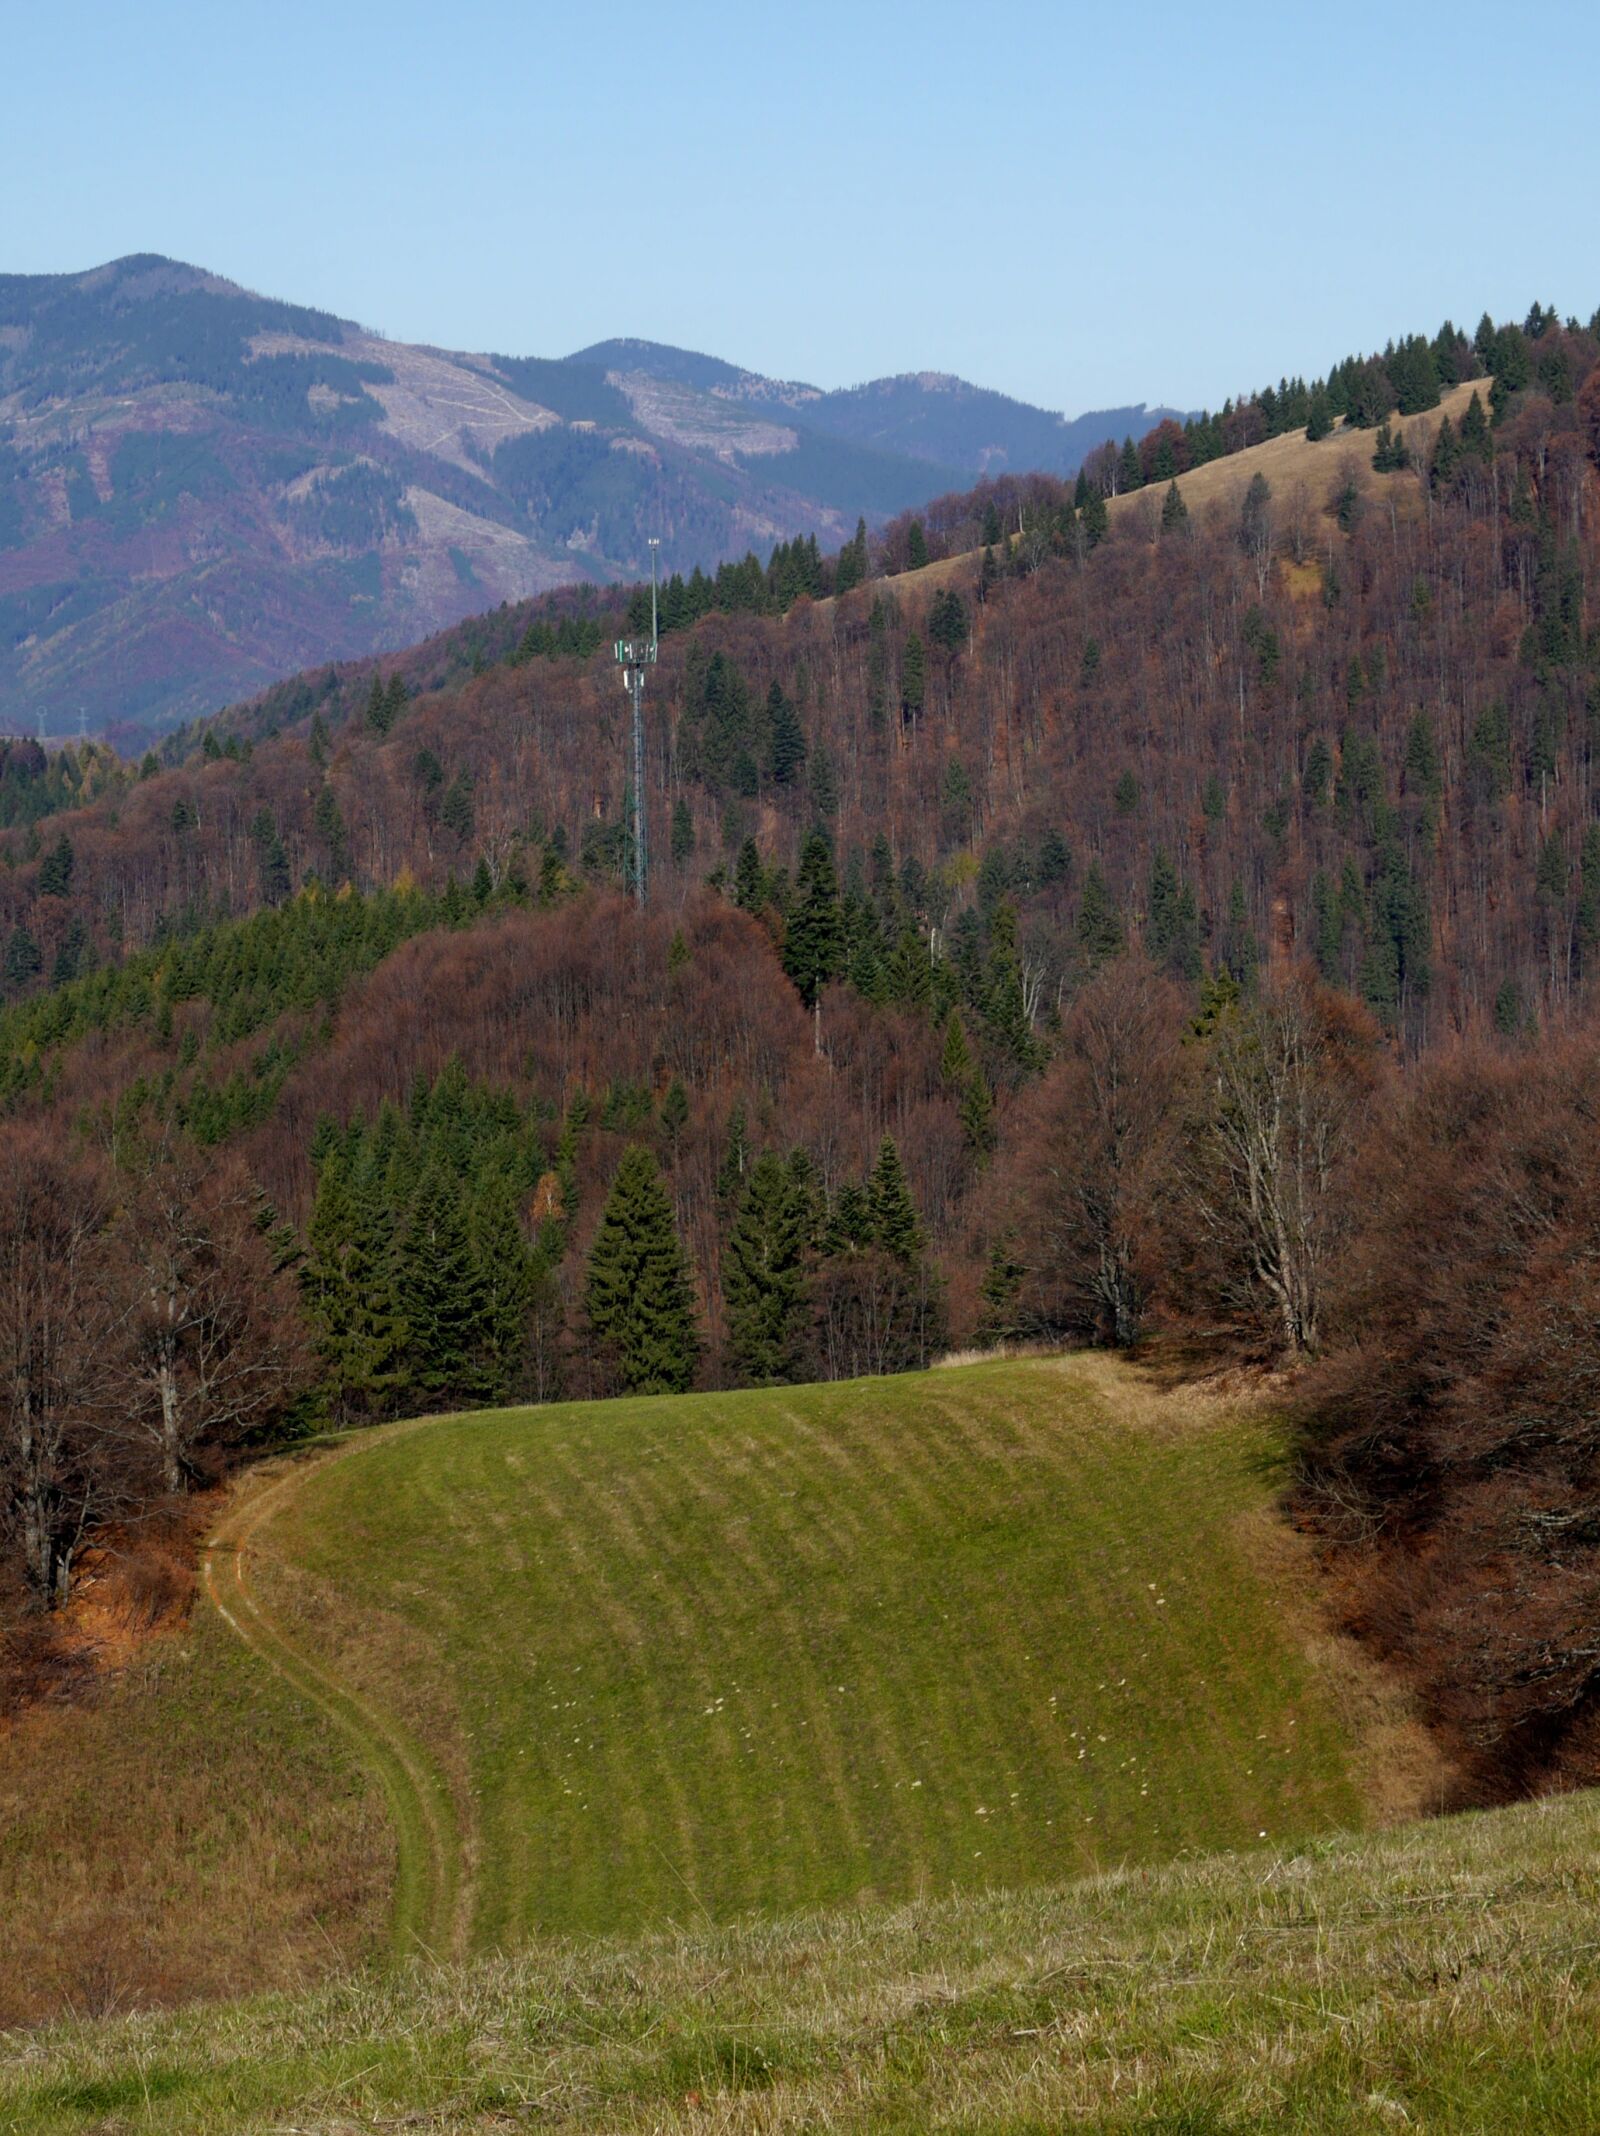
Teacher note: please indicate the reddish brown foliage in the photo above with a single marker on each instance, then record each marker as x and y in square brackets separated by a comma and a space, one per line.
[1452, 1436]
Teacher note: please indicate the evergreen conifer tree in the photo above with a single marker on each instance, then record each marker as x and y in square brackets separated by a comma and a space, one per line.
[1099, 924]
[892, 1220]
[329, 824]
[444, 1289]
[749, 878]
[916, 545]
[823, 784]
[23, 959]
[787, 741]
[272, 862]
[1174, 512]
[763, 1274]
[674, 1112]
[638, 1296]
[682, 836]
[1161, 908]
[1005, 1002]
[913, 677]
[456, 813]
[55, 870]
[813, 946]
[506, 1271]
[350, 1285]
[1476, 436]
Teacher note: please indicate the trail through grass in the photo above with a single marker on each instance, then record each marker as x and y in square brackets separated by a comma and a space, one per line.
[432, 1895]
[196, 1829]
[1445, 1979]
[679, 1660]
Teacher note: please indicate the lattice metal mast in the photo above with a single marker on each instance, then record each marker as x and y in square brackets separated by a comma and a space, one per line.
[635, 656]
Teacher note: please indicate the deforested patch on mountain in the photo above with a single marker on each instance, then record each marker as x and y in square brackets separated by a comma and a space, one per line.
[203, 490]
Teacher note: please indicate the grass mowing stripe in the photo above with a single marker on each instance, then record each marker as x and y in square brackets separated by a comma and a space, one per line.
[646, 1609]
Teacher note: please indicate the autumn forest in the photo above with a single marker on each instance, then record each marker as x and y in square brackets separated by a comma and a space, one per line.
[1162, 910]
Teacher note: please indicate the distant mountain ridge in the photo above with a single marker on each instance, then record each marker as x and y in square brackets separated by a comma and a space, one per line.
[928, 415]
[203, 490]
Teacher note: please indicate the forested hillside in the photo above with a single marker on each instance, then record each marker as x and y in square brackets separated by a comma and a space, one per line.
[202, 490]
[1061, 905]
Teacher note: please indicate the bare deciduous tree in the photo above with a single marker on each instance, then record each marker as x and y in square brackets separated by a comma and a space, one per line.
[1089, 1154]
[63, 1350]
[1285, 1080]
[216, 1346]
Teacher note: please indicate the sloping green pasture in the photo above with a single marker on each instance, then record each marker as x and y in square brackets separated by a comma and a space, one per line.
[681, 1660]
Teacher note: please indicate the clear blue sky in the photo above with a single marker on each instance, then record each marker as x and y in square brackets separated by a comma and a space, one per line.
[1082, 205]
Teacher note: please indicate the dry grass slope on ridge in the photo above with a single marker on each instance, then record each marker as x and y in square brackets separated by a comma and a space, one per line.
[1442, 1979]
[681, 1660]
[1298, 472]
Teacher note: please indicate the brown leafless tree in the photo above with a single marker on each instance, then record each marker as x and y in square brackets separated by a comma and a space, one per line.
[216, 1344]
[1087, 1155]
[64, 1322]
[1284, 1083]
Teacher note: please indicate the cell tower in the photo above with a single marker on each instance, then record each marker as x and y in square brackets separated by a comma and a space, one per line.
[635, 657]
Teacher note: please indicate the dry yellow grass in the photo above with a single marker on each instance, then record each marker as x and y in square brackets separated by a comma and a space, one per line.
[195, 1831]
[1303, 477]
[1291, 463]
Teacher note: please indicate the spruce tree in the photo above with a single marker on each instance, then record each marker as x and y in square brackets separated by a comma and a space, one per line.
[749, 879]
[813, 946]
[913, 677]
[350, 1284]
[272, 862]
[892, 1221]
[787, 743]
[1161, 908]
[23, 959]
[823, 783]
[638, 1295]
[329, 823]
[681, 841]
[763, 1275]
[1174, 512]
[674, 1112]
[1476, 436]
[444, 1289]
[916, 546]
[1099, 924]
[1005, 1008]
[506, 1272]
[55, 870]
[457, 813]
[377, 713]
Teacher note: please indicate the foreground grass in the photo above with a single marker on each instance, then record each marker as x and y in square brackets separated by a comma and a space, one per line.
[1443, 1979]
[195, 1831]
[684, 1660]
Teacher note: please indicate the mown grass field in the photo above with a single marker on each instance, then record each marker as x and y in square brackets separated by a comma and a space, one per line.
[678, 1661]
[1443, 1979]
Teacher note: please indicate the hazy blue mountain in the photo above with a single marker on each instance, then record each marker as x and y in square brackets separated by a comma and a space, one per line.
[202, 490]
